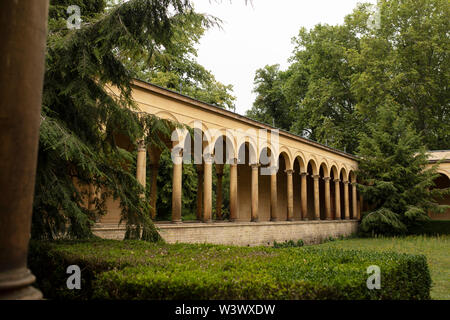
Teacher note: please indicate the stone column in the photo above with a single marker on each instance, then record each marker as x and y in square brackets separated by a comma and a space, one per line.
[176, 187]
[233, 190]
[199, 212]
[290, 196]
[354, 201]
[255, 190]
[22, 52]
[141, 163]
[316, 198]
[346, 201]
[327, 198]
[304, 196]
[207, 188]
[337, 198]
[219, 193]
[153, 189]
[273, 194]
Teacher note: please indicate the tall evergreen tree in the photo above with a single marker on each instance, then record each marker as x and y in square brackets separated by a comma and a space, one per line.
[393, 179]
[81, 119]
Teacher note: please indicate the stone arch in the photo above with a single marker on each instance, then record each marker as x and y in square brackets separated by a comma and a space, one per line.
[444, 173]
[264, 181]
[225, 153]
[442, 182]
[266, 156]
[351, 176]
[343, 172]
[246, 137]
[313, 163]
[300, 158]
[252, 154]
[167, 116]
[287, 159]
[286, 154]
[334, 171]
[325, 167]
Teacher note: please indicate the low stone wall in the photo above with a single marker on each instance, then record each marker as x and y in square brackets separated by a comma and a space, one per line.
[242, 233]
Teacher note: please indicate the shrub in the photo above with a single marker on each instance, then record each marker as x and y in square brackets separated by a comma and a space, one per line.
[432, 227]
[140, 270]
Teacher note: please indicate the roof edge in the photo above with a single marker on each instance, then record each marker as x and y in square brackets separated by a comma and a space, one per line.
[187, 99]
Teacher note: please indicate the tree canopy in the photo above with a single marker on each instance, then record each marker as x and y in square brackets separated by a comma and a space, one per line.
[339, 75]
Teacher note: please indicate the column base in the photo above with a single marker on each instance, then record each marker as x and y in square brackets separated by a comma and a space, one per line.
[255, 220]
[16, 285]
[177, 221]
[274, 219]
[207, 221]
[290, 219]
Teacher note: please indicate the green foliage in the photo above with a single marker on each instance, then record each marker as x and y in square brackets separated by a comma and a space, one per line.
[394, 181]
[140, 270]
[340, 75]
[270, 105]
[175, 67]
[288, 244]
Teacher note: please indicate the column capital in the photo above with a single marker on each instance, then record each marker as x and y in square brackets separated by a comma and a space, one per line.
[255, 166]
[337, 180]
[141, 145]
[353, 183]
[208, 158]
[327, 179]
[304, 174]
[346, 182]
[289, 171]
[233, 161]
[316, 177]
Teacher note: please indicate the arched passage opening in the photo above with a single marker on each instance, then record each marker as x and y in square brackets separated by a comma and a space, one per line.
[265, 161]
[342, 182]
[442, 182]
[282, 186]
[313, 173]
[299, 167]
[335, 193]
[224, 154]
[323, 173]
[246, 155]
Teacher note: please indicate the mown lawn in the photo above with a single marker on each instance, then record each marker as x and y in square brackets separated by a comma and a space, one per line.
[435, 248]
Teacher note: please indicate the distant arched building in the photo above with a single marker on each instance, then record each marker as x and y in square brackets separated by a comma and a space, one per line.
[282, 186]
[443, 181]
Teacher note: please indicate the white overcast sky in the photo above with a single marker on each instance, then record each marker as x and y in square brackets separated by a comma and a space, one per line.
[258, 34]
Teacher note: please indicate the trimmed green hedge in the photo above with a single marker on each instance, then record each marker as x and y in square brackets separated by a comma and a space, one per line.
[433, 227]
[140, 270]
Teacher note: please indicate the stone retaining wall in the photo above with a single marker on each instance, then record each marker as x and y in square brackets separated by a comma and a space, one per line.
[242, 233]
